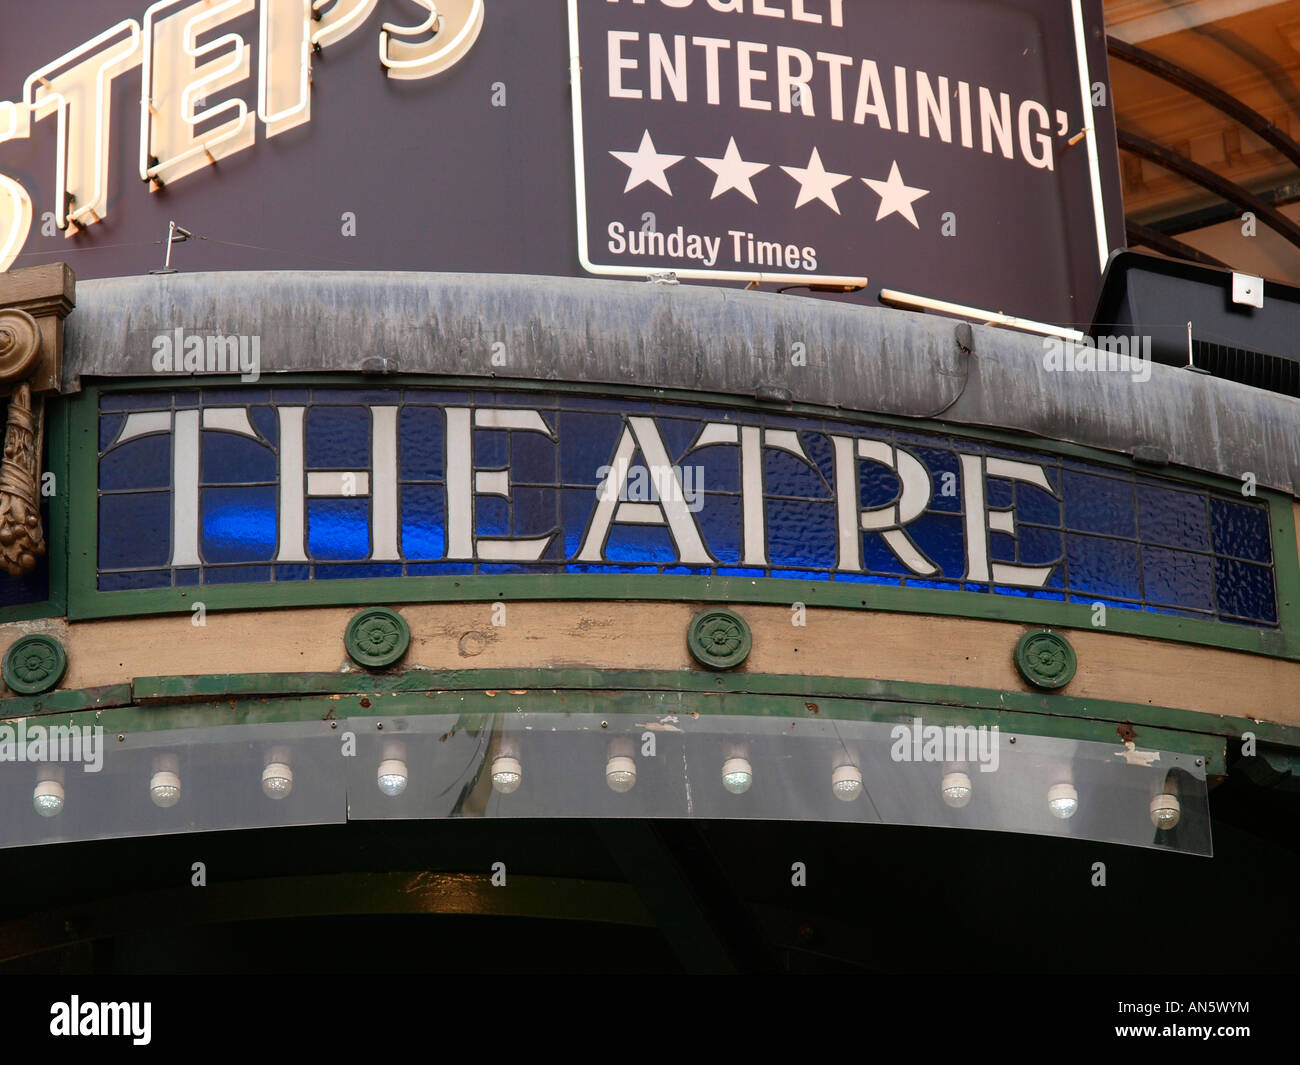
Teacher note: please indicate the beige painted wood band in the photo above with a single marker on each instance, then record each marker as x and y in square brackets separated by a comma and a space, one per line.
[639, 635]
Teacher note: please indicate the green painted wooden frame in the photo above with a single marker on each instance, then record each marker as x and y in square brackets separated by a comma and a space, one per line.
[159, 704]
[85, 601]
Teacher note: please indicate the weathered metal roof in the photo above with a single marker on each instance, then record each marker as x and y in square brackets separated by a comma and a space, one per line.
[717, 340]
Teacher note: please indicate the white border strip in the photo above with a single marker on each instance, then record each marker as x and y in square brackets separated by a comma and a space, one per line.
[895, 298]
[1089, 125]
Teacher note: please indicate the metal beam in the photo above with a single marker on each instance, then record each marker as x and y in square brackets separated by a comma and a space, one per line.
[1211, 94]
[1208, 179]
[1167, 245]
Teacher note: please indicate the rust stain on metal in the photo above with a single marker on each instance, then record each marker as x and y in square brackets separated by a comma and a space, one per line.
[1126, 732]
[812, 707]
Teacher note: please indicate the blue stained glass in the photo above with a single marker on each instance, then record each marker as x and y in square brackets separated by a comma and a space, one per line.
[942, 540]
[866, 578]
[878, 485]
[233, 397]
[1002, 548]
[145, 462]
[1245, 590]
[581, 568]
[532, 458]
[716, 468]
[365, 570]
[943, 586]
[440, 569]
[186, 578]
[120, 582]
[239, 524]
[1240, 529]
[535, 511]
[640, 543]
[1036, 506]
[110, 428]
[587, 442]
[1000, 494]
[878, 557]
[788, 475]
[678, 434]
[1103, 567]
[1176, 519]
[802, 575]
[1098, 504]
[941, 463]
[821, 451]
[378, 397]
[338, 529]
[264, 421]
[1110, 604]
[1177, 578]
[496, 569]
[436, 396]
[135, 530]
[293, 573]
[291, 396]
[420, 433]
[577, 506]
[227, 458]
[740, 571]
[422, 522]
[1039, 547]
[492, 448]
[338, 438]
[800, 534]
[1027, 593]
[720, 523]
[492, 516]
[236, 574]
[186, 399]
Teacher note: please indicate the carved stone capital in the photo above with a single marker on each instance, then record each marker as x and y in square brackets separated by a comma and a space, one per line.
[33, 304]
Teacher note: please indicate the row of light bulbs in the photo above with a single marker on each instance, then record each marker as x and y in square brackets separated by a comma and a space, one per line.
[507, 773]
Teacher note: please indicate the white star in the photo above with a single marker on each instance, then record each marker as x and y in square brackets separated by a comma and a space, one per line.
[733, 173]
[647, 165]
[895, 197]
[816, 183]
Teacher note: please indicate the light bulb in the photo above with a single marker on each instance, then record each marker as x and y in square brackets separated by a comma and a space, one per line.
[956, 790]
[1063, 801]
[620, 773]
[1165, 811]
[277, 780]
[846, 782]
[48, 798]
[165, 788]
[737, 775]
[507, 773]
[392, 776]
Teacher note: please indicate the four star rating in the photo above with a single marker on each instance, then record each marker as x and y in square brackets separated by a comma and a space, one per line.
[733, 173]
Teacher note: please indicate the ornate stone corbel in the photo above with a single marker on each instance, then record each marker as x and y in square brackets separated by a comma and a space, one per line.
[22, 540]
[31, 350]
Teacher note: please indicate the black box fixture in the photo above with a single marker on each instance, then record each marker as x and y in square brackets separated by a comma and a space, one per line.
[1227, 324]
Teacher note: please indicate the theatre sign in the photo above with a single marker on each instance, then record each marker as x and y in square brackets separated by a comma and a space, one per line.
[927, 151]
[298, 485]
